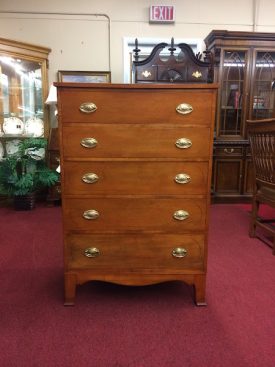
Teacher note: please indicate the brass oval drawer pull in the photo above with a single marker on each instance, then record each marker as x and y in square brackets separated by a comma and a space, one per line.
[184, 108]
[181, 215]
[179, 252]
[89, 142]
[182, 178]
[183, 143]
[91, 214]
[90, 178]
[87, 107]
[228, 151]
[92, 252]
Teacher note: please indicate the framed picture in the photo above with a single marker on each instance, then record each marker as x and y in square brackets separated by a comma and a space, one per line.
[68, 76]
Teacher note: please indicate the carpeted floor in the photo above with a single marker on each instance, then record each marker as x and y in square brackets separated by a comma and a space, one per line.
[119, 326]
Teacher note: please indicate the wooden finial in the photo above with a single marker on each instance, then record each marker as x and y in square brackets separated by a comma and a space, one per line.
[136, 50]
[172, 48]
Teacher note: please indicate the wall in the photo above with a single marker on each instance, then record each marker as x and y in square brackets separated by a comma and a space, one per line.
[90, 42]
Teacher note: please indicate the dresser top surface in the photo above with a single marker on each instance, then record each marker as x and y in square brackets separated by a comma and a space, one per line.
[136, 86]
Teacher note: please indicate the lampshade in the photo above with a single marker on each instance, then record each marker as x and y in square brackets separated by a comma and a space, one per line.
[52, 96]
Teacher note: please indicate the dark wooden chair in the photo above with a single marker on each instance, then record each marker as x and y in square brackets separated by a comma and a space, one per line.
[261, 135]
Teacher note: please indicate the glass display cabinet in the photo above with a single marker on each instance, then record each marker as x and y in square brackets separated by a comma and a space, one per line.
[245, 71]
[23, 91]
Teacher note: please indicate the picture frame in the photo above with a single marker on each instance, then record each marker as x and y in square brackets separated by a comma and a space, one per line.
[70, 76]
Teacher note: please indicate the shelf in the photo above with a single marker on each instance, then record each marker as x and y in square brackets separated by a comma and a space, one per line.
[230, 108]
[16, 136]
[262, 108]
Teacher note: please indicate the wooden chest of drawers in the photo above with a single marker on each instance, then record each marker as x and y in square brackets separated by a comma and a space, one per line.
[136, 171]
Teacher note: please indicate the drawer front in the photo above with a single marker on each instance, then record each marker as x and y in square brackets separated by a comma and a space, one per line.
[137, 106]
[134, 214]
[99, 178]
[168, 253]
[141, 141]
[229, 151]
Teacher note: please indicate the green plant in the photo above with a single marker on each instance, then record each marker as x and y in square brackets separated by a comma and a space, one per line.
[26, 171]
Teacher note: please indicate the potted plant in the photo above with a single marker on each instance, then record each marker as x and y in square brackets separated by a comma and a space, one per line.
[25, 172]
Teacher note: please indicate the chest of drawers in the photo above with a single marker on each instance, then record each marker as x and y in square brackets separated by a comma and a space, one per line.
[135, 174]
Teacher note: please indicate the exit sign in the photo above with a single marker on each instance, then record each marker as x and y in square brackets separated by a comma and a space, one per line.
[162, 14]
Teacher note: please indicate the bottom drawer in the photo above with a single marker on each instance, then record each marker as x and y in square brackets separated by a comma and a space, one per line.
[166, 253]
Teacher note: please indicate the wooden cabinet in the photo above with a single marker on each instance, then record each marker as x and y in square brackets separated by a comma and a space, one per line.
[23, 91]
[232, 171]
[245, 71]
[136, 173]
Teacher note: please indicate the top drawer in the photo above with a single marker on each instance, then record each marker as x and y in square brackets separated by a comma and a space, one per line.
[137, 106]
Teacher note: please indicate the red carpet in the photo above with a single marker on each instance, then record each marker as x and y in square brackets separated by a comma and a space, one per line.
[119, 326]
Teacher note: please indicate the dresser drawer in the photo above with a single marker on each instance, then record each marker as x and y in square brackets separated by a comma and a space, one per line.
[142, 141]
[137, 106]
[151, 252]
[135, 177]
[228, 151]
[113, 214]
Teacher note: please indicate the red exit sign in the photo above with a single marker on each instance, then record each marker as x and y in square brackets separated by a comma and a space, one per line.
[162, 14]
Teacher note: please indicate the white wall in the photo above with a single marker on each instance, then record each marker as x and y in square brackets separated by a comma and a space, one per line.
[81, 42]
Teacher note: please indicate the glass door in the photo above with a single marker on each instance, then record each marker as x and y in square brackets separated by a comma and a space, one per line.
[263, 85]
[21, 92]
[232, 94]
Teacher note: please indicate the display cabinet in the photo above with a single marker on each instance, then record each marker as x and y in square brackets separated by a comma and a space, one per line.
[245, 70]
[23, 91]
